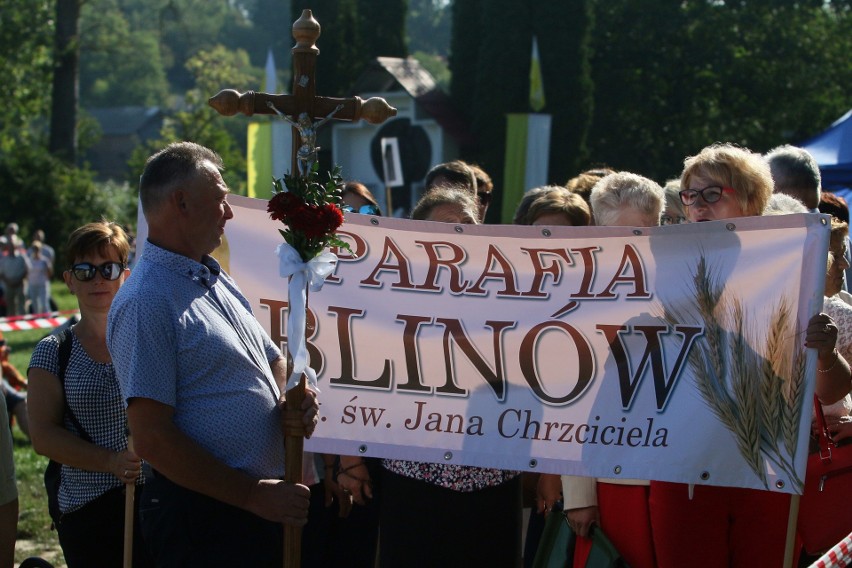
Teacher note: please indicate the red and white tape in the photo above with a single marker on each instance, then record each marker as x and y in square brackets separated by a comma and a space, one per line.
[35, 321]
[838, 557]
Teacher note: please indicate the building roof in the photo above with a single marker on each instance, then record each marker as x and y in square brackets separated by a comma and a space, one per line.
[390, 74]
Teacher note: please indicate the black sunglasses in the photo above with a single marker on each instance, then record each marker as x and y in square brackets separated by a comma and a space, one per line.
[85, 271]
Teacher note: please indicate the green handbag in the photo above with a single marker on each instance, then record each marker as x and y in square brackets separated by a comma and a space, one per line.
[556, 548]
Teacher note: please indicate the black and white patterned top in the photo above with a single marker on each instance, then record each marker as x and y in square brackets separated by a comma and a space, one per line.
[94, 397]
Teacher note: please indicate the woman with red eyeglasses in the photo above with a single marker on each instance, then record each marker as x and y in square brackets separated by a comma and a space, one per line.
[77, 414]
[709, 526]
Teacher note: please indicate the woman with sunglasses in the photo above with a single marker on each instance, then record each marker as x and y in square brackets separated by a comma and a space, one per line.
[96, 462]
[358, 199]
[711, 526]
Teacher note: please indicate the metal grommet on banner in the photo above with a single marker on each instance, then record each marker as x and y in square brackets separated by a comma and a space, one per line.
[823, 221]
[731, 227]
[705, 475]
[459, 229]
[779, 484]
[533, 463]
[546, 232]
[637, 232]
[448, 456]
[617, 470]
[362, 449]
[374, 221]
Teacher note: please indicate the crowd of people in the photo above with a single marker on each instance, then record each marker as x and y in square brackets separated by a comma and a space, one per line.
[172, 354]
[25, 273]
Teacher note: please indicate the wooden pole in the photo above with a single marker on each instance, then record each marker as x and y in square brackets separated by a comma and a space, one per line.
[790, 544]
[294, 445]
[306, 31]
[129, 516]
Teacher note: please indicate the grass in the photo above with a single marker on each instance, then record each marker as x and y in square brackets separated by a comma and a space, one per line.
[35, 538]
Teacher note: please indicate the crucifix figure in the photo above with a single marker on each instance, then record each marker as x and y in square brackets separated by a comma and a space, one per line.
[305, 106]
[306, 155]
[304, 99]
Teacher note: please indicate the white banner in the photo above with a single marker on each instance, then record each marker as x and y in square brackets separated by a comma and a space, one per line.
[672, 353]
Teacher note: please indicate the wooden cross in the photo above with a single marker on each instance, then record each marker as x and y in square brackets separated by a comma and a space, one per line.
[304, 99]
[303, 107]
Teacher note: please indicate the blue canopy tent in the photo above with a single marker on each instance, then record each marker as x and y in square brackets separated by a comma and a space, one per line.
[833, 152]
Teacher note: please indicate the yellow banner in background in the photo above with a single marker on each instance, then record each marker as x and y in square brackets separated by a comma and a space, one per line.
[259, 162]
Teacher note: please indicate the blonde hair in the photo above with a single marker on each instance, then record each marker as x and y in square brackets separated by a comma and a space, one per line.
[839, 232]
[731, 166]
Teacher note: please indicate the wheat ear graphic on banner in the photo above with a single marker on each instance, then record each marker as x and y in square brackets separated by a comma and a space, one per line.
[753, 383]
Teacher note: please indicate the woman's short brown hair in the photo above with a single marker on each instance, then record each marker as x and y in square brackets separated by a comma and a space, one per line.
[558, 199]
[97, 238]
[447, 195]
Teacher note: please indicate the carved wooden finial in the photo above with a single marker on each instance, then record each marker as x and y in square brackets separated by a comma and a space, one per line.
[229, 102]
[306, 30]
[376, 110]
[303, 99]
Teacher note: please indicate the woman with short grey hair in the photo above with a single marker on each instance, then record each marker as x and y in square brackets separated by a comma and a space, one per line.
[627, 200]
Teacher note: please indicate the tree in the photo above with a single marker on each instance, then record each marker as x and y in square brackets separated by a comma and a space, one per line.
[213, 71]
[564, 31]
[66, 86]
[505, 37]
[383, 31]
[490, 63]
[429, 23]
[106, 38]
[271, 29]
[42, 191]
[464, 53]
[352, 34]
[742, 72]
[25, 64]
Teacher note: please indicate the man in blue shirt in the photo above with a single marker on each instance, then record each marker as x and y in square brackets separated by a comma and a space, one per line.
[202, 381]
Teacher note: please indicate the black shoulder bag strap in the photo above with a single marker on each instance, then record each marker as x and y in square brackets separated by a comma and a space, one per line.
[66, 342]
[53, 473]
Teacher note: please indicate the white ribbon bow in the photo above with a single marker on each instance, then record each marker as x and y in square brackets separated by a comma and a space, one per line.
[301, 274]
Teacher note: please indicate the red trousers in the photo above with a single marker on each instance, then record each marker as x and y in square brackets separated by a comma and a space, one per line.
[719, 526]
[626, 520]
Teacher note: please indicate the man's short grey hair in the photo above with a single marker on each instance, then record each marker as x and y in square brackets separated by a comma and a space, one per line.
[794, 169]
[783, 204]
[170, 168]
[622, 190]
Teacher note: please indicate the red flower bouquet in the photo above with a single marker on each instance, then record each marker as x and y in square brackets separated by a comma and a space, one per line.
[310, 210]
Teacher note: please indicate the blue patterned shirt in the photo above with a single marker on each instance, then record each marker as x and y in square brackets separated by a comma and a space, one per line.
[181, 333]
[92, 393]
